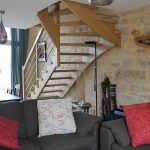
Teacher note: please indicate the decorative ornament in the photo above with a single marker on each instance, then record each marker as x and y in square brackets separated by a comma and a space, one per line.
[3, 33]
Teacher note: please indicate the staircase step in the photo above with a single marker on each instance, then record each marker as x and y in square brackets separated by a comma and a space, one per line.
[62, 12]
[80, 54]
[79, 34]
[69, 62]
[52, 91]
[66, 70]
[54, 85]
[71, 23]
[50, 97]
[61, 78]
[79, 44]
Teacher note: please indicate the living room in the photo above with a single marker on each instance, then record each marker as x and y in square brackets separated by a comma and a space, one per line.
[78, 51]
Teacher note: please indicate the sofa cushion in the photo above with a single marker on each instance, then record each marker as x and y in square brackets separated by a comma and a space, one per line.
[8, 133]
[27, 145]
[64, 142]
[119, 131]
[30, 116]
[55, 117]
[118, 147]
[138, 121]
[13, 110]
[85, 122]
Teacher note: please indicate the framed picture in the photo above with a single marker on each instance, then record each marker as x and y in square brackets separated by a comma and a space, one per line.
[42, 54]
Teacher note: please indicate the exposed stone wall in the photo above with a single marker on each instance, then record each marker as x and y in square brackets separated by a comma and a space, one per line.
[128, 66]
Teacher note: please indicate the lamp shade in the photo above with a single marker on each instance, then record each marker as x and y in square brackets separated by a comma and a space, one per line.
[3, 33]
[101, 2]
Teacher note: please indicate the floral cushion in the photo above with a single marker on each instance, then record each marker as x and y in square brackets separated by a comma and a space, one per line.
[55, 117]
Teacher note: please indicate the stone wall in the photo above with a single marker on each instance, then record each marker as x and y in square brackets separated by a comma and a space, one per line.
[128, 66]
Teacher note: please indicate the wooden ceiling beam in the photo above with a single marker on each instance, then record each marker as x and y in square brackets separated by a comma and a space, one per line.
[88, 16]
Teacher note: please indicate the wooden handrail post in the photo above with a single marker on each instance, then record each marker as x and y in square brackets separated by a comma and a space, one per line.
[36, 69]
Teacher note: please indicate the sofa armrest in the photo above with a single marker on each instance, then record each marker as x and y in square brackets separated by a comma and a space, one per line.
[96, 135]
[85, 123]
[106, 139]
[119, 131]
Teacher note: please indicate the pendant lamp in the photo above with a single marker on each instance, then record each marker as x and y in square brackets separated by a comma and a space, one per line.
[100, 2]
[3, 33]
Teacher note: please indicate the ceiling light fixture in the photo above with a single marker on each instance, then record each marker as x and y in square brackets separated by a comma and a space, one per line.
[3, 33]
[100, 2]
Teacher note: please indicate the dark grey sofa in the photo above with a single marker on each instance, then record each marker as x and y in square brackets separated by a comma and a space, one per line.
[114, 136]
[25, 112]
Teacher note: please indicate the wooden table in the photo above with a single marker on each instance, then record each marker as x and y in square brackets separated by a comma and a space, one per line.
[8, 97]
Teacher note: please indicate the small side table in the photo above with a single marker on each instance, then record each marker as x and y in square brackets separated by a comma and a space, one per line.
[86, 107]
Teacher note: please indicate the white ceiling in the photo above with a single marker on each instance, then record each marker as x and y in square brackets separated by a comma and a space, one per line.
[22, 13]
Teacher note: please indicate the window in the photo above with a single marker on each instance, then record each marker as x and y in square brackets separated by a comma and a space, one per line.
[5, 63]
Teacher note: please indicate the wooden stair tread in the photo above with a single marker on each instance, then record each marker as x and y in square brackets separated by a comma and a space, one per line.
[79, 44]
[66, 70]
[73, 62]
[71, 23]
[79, 34]
[52, 85]
[50, 97]
[60, 78]
[51, 91]
[62, 12]
[80, 54]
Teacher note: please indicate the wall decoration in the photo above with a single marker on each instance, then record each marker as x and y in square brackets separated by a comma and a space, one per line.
[41, 50]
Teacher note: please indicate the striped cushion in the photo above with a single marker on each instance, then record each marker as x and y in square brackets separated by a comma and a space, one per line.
[55, 117]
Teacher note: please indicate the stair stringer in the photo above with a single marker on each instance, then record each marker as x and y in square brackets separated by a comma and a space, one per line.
[105, 29]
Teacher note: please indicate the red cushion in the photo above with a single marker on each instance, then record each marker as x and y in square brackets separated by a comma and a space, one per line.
[138, 122]
[8, 133]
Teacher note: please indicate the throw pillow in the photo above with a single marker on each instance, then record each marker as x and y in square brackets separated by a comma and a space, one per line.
[8, 133]
[55, 117]
[138, 122]
[119, 130]
[85, 122]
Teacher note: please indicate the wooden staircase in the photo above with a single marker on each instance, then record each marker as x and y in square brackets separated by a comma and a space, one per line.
[71, 55]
